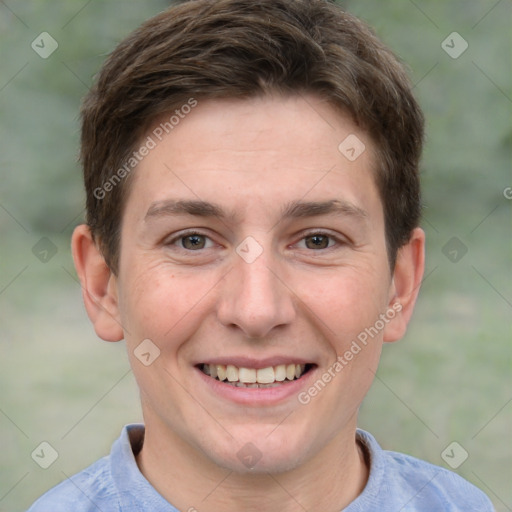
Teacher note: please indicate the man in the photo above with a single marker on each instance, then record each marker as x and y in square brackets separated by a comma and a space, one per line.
[253, 201]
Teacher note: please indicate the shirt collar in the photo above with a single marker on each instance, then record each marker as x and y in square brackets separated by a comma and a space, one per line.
[136, 493]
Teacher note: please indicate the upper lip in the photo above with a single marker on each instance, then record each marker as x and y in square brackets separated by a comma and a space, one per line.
[250, 362]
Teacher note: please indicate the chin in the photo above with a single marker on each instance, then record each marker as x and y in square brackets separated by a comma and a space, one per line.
[259, 454]
[274, 463]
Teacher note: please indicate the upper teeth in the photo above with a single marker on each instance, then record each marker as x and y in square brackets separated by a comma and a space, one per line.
[252, 375]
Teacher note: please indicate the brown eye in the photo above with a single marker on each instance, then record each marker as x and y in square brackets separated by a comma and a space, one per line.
[317, 241]
[193, 242]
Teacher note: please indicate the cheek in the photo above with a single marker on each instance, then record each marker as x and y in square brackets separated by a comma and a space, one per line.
[164, 305]
[346, 302]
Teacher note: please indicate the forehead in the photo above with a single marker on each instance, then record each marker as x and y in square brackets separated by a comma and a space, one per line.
[256, 154]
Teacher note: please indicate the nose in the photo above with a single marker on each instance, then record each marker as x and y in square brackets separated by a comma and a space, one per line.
[255, 298]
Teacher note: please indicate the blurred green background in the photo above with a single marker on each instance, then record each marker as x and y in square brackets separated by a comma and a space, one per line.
[448, 380]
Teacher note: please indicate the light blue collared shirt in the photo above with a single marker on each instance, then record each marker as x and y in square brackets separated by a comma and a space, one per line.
[397, 482]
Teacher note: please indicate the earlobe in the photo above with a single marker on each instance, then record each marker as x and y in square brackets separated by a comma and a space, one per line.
[407, 276]
[99, 285]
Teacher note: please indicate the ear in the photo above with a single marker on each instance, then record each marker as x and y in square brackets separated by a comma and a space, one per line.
[99, 285]
[407, 276]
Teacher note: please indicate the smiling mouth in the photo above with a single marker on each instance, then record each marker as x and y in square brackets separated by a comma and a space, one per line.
[269, 377]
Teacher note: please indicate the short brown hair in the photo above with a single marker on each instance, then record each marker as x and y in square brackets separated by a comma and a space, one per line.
[207, 49]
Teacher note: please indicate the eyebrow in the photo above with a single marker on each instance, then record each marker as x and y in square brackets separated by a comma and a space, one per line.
[197, 208]
[294, 209]
[301, 209]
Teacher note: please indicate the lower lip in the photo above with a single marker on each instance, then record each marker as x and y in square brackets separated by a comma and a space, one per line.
[257, 396]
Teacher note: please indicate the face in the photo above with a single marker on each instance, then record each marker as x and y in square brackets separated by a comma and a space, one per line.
[253, 256]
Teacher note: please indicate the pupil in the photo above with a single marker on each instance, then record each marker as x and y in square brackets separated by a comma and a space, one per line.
[193, 242]
[317, 242]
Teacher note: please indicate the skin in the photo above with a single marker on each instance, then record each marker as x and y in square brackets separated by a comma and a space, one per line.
[252, 158]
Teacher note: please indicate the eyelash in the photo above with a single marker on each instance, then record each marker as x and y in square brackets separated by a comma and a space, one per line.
[180, 236]
[337, 241]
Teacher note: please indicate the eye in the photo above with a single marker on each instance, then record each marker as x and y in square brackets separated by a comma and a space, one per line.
[192, 242]
[317, 241]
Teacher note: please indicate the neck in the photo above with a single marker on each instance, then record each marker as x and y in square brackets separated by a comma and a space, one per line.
[185, 477]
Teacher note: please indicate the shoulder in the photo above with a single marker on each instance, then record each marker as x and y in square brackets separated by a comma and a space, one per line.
[88, 491]
[417, 485]
[430, 484]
